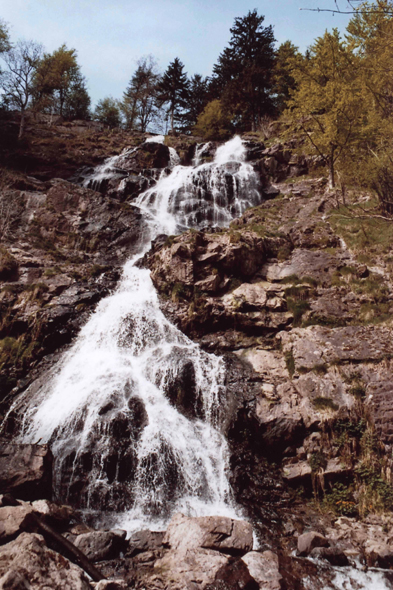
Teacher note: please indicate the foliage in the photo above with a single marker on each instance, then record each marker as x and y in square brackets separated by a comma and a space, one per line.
[196, 101]
[213, 123]
[107, 112]
[327, 105]
[340, 499]
[173, 91]
[17, 81]
[59, 86]
[242, 77]
[4, 37]
[324, 403]
[139, 105]
[290, 362]
[284, 82]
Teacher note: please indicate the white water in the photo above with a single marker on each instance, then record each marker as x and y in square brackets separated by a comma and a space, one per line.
[119, 444]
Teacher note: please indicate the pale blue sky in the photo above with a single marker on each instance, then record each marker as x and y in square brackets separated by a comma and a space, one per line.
[110, 35]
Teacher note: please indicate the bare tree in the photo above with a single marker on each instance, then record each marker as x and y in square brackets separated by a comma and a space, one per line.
[17, 82]
[354, 6]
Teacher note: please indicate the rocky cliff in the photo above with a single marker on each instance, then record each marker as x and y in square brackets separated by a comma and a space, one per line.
[295, 295]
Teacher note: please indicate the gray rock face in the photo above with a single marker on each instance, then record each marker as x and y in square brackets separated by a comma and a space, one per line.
[26, 562]
[26, 470]
[209, 532]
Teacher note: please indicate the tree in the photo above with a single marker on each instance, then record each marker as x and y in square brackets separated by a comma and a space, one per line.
[107, 111]
[243, 74]
[173, 90]
[213, 122]
[4, 37]
[59, 85]
[18, 81]
[196, 100]
[327, 107]
[284, 82]
[139, 105]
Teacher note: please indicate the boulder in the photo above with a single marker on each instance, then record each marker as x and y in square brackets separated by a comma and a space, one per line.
[144, 541]
[14, 520]
[101, 545]
[191, 569]
[209, 532]
[27, 563]
[112, 585]
[378, 554]
[26, 470]
[333, 555]
[264, 568]
[233, 576]
[307, 542]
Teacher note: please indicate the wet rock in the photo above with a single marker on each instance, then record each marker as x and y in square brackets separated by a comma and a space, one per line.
[209, 532]
[233, 576]
[14, 520]
[27, 562]
[307, 542]
[190, 569]
[101, 545]
[333, 555]
[26, 470]
[264, 568]
[378, 554]
[111, 585]
[144, 541]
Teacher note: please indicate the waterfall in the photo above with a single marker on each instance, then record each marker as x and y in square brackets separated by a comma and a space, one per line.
[121, 445]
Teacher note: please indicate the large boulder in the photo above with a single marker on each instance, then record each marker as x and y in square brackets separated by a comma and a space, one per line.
[209, 532]
[27, 563]
[264, 568]
[307, 542]
[26, 470]
[101, 545]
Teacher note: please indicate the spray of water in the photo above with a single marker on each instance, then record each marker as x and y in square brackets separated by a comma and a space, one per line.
[120, 443]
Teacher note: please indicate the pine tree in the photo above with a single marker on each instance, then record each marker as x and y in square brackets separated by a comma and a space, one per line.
[197, 99]
[173, 90]
[242, 76]
[284, 82]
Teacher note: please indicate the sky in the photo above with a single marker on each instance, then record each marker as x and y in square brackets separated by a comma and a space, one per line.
[111, 35]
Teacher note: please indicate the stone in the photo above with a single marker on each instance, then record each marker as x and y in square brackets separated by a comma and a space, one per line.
[26, 562]
[112, 585]
[144, 541]
[14, 520]
[264, 568]
[233, 576]
[209, 532]
[56, 513]
[333, 555]
[191, 569]
[378, 554]
[307, 542]
[26, 470]
[101, 545]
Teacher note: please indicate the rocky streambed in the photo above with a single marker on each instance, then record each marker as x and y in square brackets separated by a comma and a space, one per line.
[303, 325]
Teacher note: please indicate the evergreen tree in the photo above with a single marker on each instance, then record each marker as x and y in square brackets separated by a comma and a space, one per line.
[139, 105]
[242, 77]
[197, 99]
[213, 123]
[284, 82]
[173, 90]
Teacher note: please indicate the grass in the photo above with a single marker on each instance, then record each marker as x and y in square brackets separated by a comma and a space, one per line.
[324, 403]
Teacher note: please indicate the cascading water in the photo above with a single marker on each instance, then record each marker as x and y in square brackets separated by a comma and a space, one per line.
[119, 444]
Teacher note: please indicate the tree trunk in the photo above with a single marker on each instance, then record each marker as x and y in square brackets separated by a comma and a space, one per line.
[22, 124]
[332, 183]
[172, 119]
